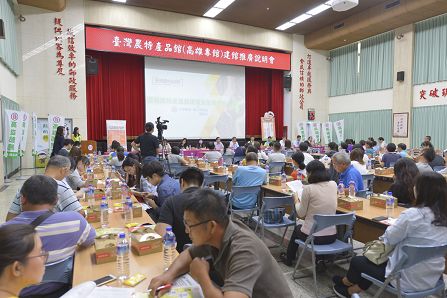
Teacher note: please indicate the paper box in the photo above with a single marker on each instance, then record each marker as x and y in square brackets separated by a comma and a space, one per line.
[116, 184]
[350, 204]
[276, 180]
[105, 249]
[101, 184]
[214, 164]
[145, 241]
[382, 171]
[380, 201]
[219, 170]
[93, 214]
[99, 194]
[116, 194]
[232, 168]
[137, 210]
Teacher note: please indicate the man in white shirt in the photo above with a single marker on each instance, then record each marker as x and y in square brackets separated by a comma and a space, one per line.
[297, 142]
[218, 145]
[303, 147]
[233, 144]
[276, 155]
[283, 142]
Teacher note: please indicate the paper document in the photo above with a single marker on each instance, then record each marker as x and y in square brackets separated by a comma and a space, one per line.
[111, 292]
[296, 186]
[185, 284]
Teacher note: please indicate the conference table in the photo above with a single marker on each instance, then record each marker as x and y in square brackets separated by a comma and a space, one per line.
[85, 268]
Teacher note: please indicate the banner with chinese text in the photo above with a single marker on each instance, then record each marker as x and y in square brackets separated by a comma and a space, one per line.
[53, 122]
[34, 133]
[301, 126]
[116, 130]
[316, 131]
[433, 94]
[339, 127]
[13, 133]
[327, 132]
[24, 132]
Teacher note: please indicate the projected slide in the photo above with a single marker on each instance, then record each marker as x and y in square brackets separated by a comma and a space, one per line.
[200, 100]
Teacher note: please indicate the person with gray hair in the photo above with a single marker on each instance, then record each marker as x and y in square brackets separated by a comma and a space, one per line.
[58, 168]
[347, 172]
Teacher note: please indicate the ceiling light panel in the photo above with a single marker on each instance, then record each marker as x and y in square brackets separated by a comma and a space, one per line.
[285, 26]
[301, 18]
[318, 9]
[214, 11]
[120, 1]
[223, 4]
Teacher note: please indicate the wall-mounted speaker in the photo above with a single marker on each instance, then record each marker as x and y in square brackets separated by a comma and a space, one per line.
[288, 82]
[91, 66]
[2, 29]
[400, 76]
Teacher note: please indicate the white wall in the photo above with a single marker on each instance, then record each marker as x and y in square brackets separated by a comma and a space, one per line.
[367, 101]
[41, 90]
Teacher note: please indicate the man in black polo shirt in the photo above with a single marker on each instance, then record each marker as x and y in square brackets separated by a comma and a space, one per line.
[147, 143]
[171, 213]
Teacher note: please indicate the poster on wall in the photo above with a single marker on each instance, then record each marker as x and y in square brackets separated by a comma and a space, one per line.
[116, 130]
[301, 126]
[41, 141]
[316, 131]
[400, 125]
[13, 123]
[339, 127]
[432, 94]
[268, 128]
[327, 132]
[53, 122]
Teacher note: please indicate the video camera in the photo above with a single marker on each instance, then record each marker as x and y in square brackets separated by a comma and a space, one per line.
[161, 125]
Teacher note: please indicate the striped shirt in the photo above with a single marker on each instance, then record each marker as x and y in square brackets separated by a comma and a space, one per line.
[67, 200]
[61, 233]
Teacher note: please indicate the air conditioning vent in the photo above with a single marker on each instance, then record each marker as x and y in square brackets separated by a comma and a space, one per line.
[338, 26]
[392, 4]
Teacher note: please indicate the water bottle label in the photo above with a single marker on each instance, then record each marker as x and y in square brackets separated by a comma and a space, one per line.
[122, 249]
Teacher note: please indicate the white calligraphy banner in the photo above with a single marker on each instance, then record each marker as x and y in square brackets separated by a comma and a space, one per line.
[24, 134]
[13, 133]
[339, 127]
[327, 132]
[316, 131]
[53, 122]
[301, 126]
[34, 133]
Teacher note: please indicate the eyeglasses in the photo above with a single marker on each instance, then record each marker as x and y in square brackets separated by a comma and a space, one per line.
[195, 225]
[43, 254]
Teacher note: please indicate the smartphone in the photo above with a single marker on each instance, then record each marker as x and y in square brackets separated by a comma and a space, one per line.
[379, 218]
[104, 280]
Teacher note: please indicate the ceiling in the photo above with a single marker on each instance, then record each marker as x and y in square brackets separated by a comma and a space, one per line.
[267, 14]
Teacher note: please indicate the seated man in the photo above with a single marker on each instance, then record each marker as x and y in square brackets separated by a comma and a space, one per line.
[61, 233]
[212, 155]
[171, 213]
[68, 144]
[437, 161]
[58, 168]
[303, 147]
[175, 158]
[250, 175]
[276, 155]
[235, 253]
[342, 164]
[166, 186]
[390, 158]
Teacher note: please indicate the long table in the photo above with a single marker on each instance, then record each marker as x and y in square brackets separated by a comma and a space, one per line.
[85, 268]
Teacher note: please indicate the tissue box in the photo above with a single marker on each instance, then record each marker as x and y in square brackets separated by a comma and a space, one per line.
[137, 210]
[145, 241]
[276, 180]
[116, 184]
[99, 194]
[380, 201]
[350, 203]
[105, 249]
[382, 171]
[116, 194]
[93, 215]
[219, 170]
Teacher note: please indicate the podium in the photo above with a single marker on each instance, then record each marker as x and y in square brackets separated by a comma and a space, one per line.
[88, 147]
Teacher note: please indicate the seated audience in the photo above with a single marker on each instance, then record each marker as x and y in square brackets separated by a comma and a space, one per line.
[184, 144]
[75, 153]
[252, 149]
[319, 197]
[175, 158]
[365, 157]
[22, 259]
[402, 150]
[261, 154]
[249, 175]
[200, 144]
[58, 168]
[240, 151]
[61, 233]
[218, 145]
[212, 155]
[381, 144]
[115, 144]
[167, 147]
[235, 253]
[299, 168]
[304, 147]
[427, 139]
[233, 144]
[269, 140]
[391, 156]
[252, 141]
[276, 155]
[405, 175]
[347, 172]
[333, 148]
[426, 222]
[171, 213]
[427, 155]
[117, 160]
[437, 161]
[297, 142]
[65, 150]
[78, 168]
[134, 178]
[283, 142]
[369, 148]
[288, 148]
[227, 150]
[356, 157]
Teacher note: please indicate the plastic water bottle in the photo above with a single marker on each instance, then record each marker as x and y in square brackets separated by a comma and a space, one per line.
[122, 257]
[283, 182]
[128, 211]
[90, 195]
[104, 213]
[169, 247]
[124, 192]
[267, 174]
[368, 165]
[351, 189]
[389, 205]
[341, 189]
[90, 175]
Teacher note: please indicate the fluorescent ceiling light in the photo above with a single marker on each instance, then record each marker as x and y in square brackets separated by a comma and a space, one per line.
[223, 4]
[212, 12]
[318, 9]
[285, 26]
[120, 1]
[329, 2]
[301, 18]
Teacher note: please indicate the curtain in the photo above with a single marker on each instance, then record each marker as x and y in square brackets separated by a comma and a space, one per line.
[372, 70]
[429, 121]
[362, 125]
[115, 93]
[430, 48]
[10, 164]
[8, 46]
[263, 92]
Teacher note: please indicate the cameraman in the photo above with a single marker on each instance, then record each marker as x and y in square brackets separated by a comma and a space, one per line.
[147, 144]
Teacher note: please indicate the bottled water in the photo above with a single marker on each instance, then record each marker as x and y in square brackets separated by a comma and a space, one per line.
[351, 189]
[90, 196]
[341, 189]
[124, 192]
[283, 182]
[389, 205]
[267, 174]
[90, 175]
[368, 165]
[169, 247]
[122, 257]
[104, 213]
[128, 211]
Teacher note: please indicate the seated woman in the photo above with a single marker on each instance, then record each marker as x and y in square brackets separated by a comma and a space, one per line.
[22, 260]
[427, 221]
[184, 144]
[175, 158]
[319, 197]
[299, 168]
[288, 151]
[115, 144]
[167, 147]
[117, 161]
[357, 161]
[405, 175]
[134, 169]
[78, 167]
[228, 150]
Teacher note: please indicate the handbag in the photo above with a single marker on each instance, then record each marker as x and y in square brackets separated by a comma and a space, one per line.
[377, 251]
[274, 216]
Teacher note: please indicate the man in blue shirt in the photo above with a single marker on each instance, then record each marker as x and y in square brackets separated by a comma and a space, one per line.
[342, 164]
[250, 175]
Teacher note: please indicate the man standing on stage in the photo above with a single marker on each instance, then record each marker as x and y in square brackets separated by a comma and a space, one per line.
[147, 144]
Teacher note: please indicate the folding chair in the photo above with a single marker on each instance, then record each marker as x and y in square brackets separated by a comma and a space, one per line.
[213, 179]
[275, 167]
[321, 222]
[438, 168]
[244, 190]
[176, 169]
[228, 159]
[411, 255]
[271, 203]
[368, 181]
[237, 159]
